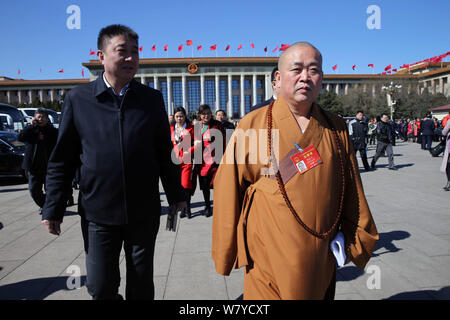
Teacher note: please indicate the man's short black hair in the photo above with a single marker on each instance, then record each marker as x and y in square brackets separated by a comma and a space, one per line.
[272, 75]
[384, 114]
[359, 111]
[220, 110]
[114, 30]
[41, 111]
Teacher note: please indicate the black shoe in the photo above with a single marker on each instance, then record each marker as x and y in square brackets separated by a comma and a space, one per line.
[183, 213]
[368, 169]
[208, 211]
[393, 168]
[189, 213]
[40, 210]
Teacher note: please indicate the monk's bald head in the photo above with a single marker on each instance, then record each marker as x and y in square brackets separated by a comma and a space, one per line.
[287, 54]
[299, 78]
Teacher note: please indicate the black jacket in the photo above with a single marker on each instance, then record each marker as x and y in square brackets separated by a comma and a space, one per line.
[428, 127]
[360, 130]
[384, 132]
[39, 144]
[262, 104]
[123, 147]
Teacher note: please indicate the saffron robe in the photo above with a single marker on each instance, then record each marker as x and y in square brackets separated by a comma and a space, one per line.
[253, 226]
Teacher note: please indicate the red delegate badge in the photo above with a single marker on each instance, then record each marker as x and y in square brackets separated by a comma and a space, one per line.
[306, 160]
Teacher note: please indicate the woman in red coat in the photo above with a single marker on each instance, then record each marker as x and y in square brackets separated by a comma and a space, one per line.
[182, 133]
[207, 170]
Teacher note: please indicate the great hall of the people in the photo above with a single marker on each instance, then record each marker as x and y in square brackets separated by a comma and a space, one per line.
[233, 84]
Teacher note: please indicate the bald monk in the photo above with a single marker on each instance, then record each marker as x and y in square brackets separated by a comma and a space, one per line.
[277, 218]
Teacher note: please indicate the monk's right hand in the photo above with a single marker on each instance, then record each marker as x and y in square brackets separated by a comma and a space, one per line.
[54, 227]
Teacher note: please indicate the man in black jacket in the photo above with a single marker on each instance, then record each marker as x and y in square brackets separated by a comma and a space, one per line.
[360, 131]
[40, 138]
[427, 127]
[117, 130]
[273, 81]
[385, 135]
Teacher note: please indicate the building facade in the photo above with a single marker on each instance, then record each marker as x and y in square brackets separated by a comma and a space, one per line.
[233, 84]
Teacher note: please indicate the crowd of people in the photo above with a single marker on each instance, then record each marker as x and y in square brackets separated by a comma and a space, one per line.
[383, 132]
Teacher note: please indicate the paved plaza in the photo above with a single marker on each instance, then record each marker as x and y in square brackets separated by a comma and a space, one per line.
[411, 261]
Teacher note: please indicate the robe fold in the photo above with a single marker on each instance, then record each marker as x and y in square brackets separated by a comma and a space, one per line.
[254, 228]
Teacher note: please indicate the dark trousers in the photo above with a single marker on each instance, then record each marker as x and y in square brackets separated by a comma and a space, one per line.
[447, 171]
[381, 148]
[363, 154]
[36, 184]
[103, 244]
[426, 142]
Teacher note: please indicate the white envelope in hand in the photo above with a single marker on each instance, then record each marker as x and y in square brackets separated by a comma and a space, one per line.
[338, 248]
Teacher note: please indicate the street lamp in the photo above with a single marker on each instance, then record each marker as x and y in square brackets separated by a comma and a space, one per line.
[390, 91]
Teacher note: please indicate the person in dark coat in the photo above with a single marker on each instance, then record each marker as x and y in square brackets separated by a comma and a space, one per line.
[385, 136]
[360, 131]
[273, 80]
[427, 127]
[40, 138]
[116, 129]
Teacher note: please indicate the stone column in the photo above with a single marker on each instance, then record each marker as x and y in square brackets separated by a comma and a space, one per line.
[202, 89]
[19, 96]
[328, 87]
[155, 82]
[183, 90]
[255, 97]
[230, 96]
[242, 105]
[216, 82]
[336, 89]
[268, 87]
[41, 95]
[143, 80]
[346, 88]
[169, 96]
[52, 95]
[8, 96]
[441, 85]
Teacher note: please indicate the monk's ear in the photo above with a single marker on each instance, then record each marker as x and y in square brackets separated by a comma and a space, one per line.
[278, 77]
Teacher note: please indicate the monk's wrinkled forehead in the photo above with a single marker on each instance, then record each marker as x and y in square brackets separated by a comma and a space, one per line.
[289, 56]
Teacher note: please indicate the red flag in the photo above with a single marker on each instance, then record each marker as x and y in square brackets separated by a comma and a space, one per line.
[334, 67]
[18, 72]
[180, 47]
[154, 47]
[389, 71]
[82, 73]
[275, 49]
[165, 47]
[384, 73]
[405, 66]
[252, 45]
[40, 70]
[388, 67]
[284, 47]
[61, 71]
[140, 49]
[212, 48]
[189, 42]
[395, 70]
[239, 47]
[199, 48]
[91, 52]
[265, 49]
[370, 65]
[227, 48]
[354, 67]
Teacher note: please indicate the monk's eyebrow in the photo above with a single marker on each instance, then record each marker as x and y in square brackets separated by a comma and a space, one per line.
[299, 64]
